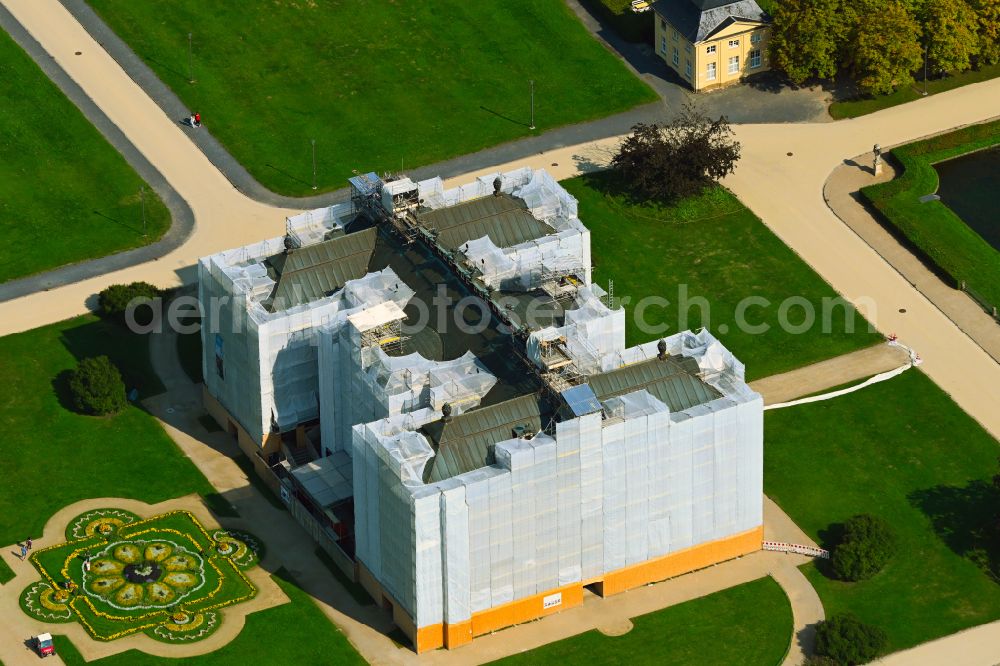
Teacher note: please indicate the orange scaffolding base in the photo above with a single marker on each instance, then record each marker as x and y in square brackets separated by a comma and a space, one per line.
[452, 635]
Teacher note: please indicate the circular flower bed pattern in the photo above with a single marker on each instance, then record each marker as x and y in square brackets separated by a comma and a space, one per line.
[143, 574]
[119, 574]
[39, 601]
[193, 627]
[99, 521]
[241, 547]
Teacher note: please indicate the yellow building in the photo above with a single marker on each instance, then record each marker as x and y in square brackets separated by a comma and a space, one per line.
[712, 43]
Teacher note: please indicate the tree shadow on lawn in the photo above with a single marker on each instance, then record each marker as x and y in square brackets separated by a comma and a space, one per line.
[966, 519]
[829, 538]
[128, 351]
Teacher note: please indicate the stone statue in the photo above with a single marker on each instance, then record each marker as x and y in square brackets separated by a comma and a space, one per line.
[877, 167]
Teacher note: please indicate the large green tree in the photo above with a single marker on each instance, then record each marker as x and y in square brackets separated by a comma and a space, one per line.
[806, 38]
[987, 29]
[950, 30]
[885, 45]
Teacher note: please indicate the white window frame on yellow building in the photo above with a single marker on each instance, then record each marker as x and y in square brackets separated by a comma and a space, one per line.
[737, 37]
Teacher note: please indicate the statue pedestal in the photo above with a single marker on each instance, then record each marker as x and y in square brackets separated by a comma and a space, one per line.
[877, 168]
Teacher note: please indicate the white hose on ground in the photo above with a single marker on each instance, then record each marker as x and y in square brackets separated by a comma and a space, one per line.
[881, 377]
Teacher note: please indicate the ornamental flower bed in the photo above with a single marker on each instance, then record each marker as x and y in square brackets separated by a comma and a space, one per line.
[119, 574]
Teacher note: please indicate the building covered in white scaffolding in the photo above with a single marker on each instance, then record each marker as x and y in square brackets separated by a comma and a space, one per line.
[449, 401]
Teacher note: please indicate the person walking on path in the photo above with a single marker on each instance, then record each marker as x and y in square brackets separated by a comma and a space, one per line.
[24, 552]
[197, 119]
[27, 542]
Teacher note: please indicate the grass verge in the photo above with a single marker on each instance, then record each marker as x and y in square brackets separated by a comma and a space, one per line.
[852, 108]
[6, 573]
[710, 252]
[905, 451]
[747, 624]
[378, 85]
[951, 244]
[66, 195]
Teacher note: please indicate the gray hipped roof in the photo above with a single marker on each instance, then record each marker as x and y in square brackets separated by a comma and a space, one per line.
[466, 441]
[697, 20]
[673, 381]
[309, 273]
[505, 219]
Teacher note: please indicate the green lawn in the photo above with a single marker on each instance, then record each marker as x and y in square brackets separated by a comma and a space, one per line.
[749, 624]
[65, 194]
[375, 83]
[721, 252]
[294, 633]
[52, 456]
[933, 227]
[905, 451]
[852, 108]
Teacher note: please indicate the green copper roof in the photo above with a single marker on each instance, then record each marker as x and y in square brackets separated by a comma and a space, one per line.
[673, 381]
[312, 272]
[505, 219]
[466, 441]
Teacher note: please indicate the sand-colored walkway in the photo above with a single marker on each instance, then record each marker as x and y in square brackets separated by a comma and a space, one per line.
[366, 626]
[781, 176]
[17, 627]
[224, 217]
[832, 372]
[791, 160]
[844, 199]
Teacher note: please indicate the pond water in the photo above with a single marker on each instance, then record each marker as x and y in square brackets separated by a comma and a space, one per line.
[970, 186]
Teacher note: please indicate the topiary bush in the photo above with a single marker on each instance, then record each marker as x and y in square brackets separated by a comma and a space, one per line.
[114, 300]
[97, 388]
[869, 543]
[848, 641]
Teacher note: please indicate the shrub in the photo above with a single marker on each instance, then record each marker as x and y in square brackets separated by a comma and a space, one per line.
[848, 641]
[819, 660]
[114, 300]
[97, 387]
[868, 544]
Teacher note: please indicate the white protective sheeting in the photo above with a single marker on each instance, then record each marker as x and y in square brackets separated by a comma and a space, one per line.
[263, 366]
[606, 492]
[314, 226]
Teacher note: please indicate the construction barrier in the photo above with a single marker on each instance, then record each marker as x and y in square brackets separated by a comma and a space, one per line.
[811, 551]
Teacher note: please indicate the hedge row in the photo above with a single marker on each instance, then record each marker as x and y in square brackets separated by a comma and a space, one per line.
[939, 233]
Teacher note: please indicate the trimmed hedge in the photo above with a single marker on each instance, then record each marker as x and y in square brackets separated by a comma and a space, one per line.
[932, 227]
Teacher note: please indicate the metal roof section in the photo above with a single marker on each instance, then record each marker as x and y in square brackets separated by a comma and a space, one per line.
[697, 20]
[504, 218]
[581, 400]
[310, 273]
[674, 381]
[465, 442]
[327, 480]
